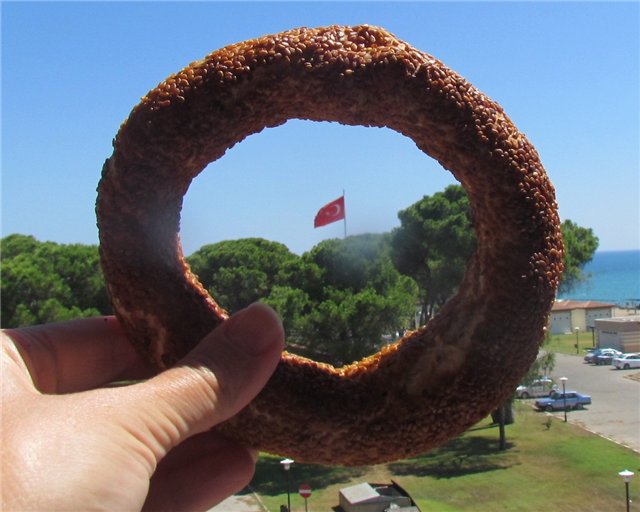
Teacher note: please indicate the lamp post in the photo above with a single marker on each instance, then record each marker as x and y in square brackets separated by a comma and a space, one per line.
[626, 476]
[564, 395]
[577, 329]
[286, 464]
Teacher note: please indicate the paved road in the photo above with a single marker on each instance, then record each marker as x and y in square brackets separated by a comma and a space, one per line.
[615, 411]
[240, 503]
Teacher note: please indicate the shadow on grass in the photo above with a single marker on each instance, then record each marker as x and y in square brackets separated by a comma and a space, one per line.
[270, 478]
[461, 456]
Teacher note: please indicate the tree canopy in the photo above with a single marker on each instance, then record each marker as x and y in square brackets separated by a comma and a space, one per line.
[338, 301]
[48, 282]
[433, 244]
[240, 272]
[436, 239]
[579, 246]
[363, 298]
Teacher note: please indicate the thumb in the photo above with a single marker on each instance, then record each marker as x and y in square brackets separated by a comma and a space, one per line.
[215, 381]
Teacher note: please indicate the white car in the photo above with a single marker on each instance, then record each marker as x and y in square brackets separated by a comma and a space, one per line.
[626, 361]
[541, 386]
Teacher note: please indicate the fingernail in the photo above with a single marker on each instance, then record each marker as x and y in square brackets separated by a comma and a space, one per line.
[255, 329]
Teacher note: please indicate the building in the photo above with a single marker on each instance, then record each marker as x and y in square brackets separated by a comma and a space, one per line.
[367, 497]
[621, 333]
[569, 315]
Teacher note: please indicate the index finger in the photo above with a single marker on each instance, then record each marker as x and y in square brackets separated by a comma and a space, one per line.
[77, 355]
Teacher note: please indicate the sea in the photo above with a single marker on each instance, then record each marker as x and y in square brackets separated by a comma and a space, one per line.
[611, 276]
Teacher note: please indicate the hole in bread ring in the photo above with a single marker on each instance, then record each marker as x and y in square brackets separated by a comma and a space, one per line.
[435, 382]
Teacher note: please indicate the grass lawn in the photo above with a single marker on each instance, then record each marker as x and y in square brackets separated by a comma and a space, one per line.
[561, 468]
[566, 343]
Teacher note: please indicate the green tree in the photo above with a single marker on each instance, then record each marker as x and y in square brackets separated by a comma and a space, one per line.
[433, 244]
[436, 239]
[240, 272]
[350, 263]
[291, 304]
[542, 366]
[364, 297]
[579, 246]
[503, 415]
[336, 301]
[48, 282]
[347, 325]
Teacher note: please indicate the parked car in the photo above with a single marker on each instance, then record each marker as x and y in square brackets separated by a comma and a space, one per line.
[594, 353]
[626, 361]
[606, 355]
[541, 386]
[591, 354]
[557, 401]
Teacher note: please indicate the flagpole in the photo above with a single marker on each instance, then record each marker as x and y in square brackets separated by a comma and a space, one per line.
[345, 214]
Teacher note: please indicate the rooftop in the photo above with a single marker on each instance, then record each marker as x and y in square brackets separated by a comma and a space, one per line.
[567, 305]
[628, 319]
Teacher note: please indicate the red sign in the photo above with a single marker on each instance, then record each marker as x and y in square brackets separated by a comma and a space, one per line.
[304, 490]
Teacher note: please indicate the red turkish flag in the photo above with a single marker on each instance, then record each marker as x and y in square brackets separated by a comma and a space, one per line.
[329, 213]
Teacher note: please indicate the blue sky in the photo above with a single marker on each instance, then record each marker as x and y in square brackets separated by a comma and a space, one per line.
[566, 73]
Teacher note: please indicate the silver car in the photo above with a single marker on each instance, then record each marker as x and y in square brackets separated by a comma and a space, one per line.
[539, 387]
[606, 356]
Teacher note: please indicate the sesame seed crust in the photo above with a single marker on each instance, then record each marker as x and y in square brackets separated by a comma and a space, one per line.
[434, 383]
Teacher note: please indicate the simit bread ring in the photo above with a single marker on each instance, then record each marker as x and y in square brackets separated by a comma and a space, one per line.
[437, 381]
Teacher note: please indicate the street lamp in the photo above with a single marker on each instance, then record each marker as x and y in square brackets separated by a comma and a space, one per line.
[564, 395]
[286, 464]
[626, 476]
[577, 329]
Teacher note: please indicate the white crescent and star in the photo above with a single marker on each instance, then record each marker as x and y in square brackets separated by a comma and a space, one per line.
[329, 213]
[336, 211]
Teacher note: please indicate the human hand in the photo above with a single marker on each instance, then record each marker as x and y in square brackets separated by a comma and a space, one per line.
[69, 444]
